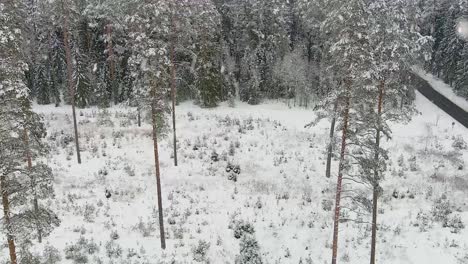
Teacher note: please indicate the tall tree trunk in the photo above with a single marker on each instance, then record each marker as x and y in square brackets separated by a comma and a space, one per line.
[110, 53]
[139, 116]
[330, 144]
[375, 183]
[158, 175]
[33, 187]
[340, 173]
[6, 213]
[173, 89]
[71, 85]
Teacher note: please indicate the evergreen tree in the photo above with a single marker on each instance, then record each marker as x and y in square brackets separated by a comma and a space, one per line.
[207, 47]
[20, 183]
[150, 26]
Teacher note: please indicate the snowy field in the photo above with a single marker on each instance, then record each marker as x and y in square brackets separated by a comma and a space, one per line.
[281, 189]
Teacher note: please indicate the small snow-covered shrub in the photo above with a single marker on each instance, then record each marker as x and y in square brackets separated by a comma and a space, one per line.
[249, 251]
[441, 209]
[345, 257]
[113, 250]
[104, 119]
[114, 235]
[51, 255]
[423, 221]
[413, 165]
[146, 229]
[200, 251]
[80, 251]
[459, 143]
[454, 223]
[242, 227]
[89, 213]
[327, 205]
[130, 170]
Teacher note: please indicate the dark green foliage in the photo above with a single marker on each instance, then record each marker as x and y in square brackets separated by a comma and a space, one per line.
[209, 84]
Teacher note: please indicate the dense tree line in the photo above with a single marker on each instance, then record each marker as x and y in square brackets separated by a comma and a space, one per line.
[440, 19]
[249, 50]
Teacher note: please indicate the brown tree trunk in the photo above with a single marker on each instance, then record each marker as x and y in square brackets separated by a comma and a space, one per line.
[173, 90]
[139, 116]
[340, 173]
[158, 175]
[375, 184]
[35, 201]
[71, 85]
[330, 145]
[110, 53]
[6, 213]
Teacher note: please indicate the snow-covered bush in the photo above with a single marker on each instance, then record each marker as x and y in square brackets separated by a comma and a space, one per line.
[441, 209]
[459, 143]
[200, 251]
[113, 250]
[145, 228]
[242, 227]
[455, 223]
[423, 221]
[249, 251]
[327, 205]
[80, 251]
[89, 213]
[51, 255]
[104, 119]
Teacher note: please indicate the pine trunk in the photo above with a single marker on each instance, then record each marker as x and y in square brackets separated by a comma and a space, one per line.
[376, 173]
[173, 92]
[6, 213]
[158, 175]
[110, 53]
[139, 116]
[340, 174]
[71, 85]
[33, 187]
[330, 145]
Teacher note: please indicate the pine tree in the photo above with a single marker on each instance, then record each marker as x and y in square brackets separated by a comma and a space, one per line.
[150, 26]
[20, 183]
[349, 53]
[70, 80]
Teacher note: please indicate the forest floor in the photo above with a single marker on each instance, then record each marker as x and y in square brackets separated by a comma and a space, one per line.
[281, 189]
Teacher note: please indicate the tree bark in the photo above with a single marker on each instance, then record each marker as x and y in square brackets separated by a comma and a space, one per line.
[158, 175]
[340, 173]
[6, 213]
[139, 116]
[330, 144]
[110, 53]
[33, 187]
[173, 90]
[71, 85]
[375, 184]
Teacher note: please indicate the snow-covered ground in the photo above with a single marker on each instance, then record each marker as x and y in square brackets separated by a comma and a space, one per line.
[281, 189]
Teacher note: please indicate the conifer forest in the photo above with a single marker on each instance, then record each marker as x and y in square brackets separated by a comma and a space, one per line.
[233, 131]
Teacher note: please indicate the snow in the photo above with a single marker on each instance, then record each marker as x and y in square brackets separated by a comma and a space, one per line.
[442, 88]
[282, 166]
[462, 28]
